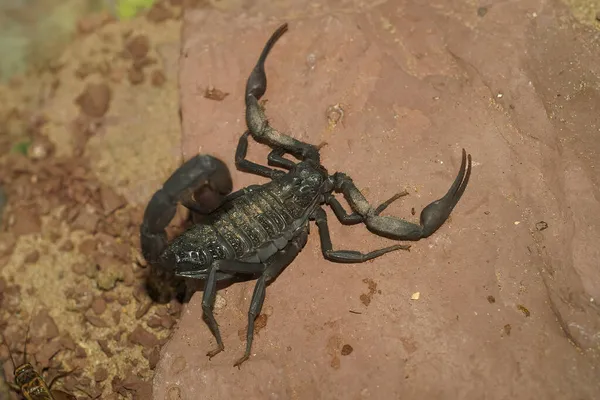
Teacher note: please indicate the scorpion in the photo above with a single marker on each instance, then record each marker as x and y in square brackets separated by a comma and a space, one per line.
[257, 231]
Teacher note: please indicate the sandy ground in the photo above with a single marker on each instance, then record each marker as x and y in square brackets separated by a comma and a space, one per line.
[104, 130]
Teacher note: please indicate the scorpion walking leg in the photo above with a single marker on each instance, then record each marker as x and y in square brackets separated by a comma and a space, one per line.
[200, 184]
[210, 293]
[248, 166]
[432, 217]
[346, 256]
[255, 116]
[273, 268]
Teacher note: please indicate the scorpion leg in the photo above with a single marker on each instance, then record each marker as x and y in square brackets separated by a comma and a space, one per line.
[432, 217]
[210, 293]
[256, 120]
[273, 268]
[346, 256]
[251, 167]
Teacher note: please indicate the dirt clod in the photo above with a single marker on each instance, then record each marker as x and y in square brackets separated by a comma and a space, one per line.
[346, 350]
[159, 13]
[143, 337]
[215, 94]
[111, 200]
[101, 374]
[137, 46]
[157, 78]
[26, 221]
[32, 257]
[67, 245]
[98, 305]
[103, 343]
[44, 325]
[135, 76]
[95, 320]
[95, 99]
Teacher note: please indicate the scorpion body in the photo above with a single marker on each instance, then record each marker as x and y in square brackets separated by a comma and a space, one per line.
[259, 230]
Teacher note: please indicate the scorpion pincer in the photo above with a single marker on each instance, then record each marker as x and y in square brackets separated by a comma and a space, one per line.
[257, 231]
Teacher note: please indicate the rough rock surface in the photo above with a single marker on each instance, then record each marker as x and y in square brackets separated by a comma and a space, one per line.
[508, 287]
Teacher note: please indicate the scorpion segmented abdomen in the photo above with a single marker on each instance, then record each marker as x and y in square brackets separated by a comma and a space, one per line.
[244, 224]
[237, 240]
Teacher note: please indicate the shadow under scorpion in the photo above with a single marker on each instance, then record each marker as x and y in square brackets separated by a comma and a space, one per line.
[257, 231]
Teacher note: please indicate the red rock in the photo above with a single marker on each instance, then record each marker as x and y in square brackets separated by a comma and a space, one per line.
[417, 87]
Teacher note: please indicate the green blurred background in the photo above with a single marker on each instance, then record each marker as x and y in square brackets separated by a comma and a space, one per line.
[33, 32]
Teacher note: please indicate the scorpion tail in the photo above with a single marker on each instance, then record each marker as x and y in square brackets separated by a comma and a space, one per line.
[432, 217]
[257, 82]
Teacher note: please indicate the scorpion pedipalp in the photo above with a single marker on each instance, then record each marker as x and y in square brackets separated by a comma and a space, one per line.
[432, 217]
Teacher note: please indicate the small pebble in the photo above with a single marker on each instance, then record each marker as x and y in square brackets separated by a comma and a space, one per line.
[138, 46]
[157, 78]
[154, 321]
[95, 99]
[347, 349]
[96, 321]
[98, 305]
[135, 76]
[80, 352]
[32, 257]
[101, 374]
[154, 357]
[143, 337]
[103, 343]
[67, 245]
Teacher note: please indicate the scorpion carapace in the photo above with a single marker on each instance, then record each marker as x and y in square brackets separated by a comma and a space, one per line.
[259, 230]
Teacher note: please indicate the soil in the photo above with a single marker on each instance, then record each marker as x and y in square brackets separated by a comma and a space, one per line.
[82, 148]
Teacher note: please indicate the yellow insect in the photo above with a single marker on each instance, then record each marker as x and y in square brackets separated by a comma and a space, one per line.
[30, 384]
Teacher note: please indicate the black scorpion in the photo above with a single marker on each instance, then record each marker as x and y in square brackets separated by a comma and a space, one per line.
[259, 230]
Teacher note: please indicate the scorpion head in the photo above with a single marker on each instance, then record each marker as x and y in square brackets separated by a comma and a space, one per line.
[306, 181]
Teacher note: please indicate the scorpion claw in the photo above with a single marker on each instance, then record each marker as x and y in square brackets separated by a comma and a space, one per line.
[433, 215]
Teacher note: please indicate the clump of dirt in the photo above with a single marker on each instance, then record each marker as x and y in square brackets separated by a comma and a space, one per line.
[71, 274]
